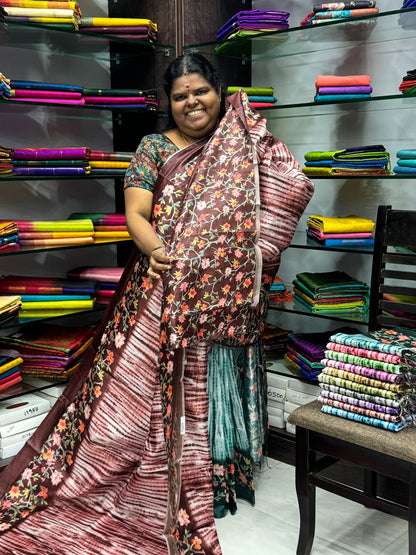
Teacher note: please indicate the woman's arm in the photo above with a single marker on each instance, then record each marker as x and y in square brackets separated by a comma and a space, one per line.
[138, 203]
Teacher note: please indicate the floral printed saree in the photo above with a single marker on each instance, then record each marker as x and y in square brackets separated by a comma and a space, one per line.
[122, 464]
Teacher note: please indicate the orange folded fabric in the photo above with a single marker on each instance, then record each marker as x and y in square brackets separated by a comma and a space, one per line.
[342, 81]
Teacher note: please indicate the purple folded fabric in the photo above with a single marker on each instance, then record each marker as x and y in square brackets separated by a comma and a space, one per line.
[345, 90]
[121, 29]
[258, 18]
[70, 153]
[49, 171]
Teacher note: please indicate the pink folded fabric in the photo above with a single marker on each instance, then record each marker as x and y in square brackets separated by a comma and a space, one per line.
[24, 93]
[79, 102]
[114, 99]
[320, 235]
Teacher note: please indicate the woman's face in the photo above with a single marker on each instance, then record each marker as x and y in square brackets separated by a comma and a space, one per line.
[195, 105]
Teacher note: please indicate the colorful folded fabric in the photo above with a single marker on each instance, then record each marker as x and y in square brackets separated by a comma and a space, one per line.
[341, 224]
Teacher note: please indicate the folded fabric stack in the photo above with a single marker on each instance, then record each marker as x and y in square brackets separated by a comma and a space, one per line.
[259, 97]
[330, 292]
[45, 297]
[360, 160]
[48, 351]
[9, 307]
[9, 238]
[109, 163]
[332, 88]
[6, 165]
[107, 226]
[275, 341]
[64, 13]
[407, 19]
[343, 230]
[305, 351]
[322, 13]
[406, 162]
[253, 22]
[370, 378]
[50, 233]
[5, 90]
[19, 418]
[51, 161]
[106, 277]
[77, 95]
[10, 361]
[122, 27]
[408, 84]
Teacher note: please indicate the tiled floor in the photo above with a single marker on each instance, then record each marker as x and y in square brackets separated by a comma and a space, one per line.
[342, 527]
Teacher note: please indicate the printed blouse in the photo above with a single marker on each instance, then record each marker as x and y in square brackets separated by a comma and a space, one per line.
[150, 156]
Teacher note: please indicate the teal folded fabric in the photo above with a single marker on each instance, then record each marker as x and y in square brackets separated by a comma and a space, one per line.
[406, 153]
[336, 97]
[406, 162]
[402, 170]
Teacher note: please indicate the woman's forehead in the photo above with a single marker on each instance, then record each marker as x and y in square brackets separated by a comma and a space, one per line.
[189, 81]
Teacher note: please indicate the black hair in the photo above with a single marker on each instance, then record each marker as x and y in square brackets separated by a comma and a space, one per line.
[191, 62]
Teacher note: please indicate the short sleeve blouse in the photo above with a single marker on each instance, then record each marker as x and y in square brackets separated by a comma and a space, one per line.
[150, 156]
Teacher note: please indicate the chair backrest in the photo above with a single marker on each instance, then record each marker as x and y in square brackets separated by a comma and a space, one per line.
[393, 276]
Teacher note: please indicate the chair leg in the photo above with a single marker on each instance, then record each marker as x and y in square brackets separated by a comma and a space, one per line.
[305, 493]
[412, 510]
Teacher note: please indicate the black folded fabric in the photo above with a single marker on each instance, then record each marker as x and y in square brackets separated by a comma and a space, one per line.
[334, 6]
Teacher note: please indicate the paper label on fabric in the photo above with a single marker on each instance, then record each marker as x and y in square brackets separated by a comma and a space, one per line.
[182, 426]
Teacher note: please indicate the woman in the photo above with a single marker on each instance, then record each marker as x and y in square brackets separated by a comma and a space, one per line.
[122, 464]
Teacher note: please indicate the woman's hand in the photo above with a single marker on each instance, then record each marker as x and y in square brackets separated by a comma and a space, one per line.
[158, 262]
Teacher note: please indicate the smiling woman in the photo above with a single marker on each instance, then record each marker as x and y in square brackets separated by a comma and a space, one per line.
[159, 430]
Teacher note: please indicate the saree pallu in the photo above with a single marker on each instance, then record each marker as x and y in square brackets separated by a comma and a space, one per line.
[122, 464]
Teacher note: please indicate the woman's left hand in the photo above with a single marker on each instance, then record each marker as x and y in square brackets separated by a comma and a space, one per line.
[158, 262]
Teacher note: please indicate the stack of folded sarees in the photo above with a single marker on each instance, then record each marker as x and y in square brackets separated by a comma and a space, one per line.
[51, 233]
[107, 278]
[132, 28]
[370, 378]
[9, 236]
[15, 90]
[344, 230]
[10, 361]
[103, 163]
[330, 292]
[6, 155]
[9, 307]
[253, 22]
[407, 19]
[107, 226]
[322, 13]
[49, 351]
[44, 297]
[259, 97]
[360, 160]
[305, 351]
[408, 84]
[72, 161]
[406, 162]
[5, 91]
[332, 88]
[63, 13]
[275, 341]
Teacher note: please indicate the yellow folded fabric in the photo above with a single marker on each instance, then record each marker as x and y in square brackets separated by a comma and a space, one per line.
[118, 22]
[11, 364]
[57, 242]
[49, 313]
[52, 305]
[109, 234]
[40, 12]
[329, 306]
[107, 163]
[342, 224]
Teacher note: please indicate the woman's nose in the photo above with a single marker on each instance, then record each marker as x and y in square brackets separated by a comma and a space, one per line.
[191, 99]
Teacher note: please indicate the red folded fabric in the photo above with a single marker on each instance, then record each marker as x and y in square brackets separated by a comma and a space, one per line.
[342, 80]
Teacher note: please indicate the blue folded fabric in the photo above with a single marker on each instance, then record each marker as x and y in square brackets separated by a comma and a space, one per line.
[320, 164]
[262, 98]
[29, 85]
[357, 163]
[402, 170]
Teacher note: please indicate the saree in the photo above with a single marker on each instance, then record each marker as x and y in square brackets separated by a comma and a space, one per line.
[122, 463]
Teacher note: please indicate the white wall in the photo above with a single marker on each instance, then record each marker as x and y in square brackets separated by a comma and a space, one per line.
[33, 126]
[392, 124]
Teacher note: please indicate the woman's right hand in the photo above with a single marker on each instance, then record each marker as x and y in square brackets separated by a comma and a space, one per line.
[158, 262]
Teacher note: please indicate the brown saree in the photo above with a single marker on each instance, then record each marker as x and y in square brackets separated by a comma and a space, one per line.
[122, 463]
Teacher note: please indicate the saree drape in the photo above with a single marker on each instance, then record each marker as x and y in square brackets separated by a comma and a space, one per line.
[122, 464]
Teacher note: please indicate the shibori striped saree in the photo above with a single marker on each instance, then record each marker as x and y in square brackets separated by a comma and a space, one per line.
[122, 463]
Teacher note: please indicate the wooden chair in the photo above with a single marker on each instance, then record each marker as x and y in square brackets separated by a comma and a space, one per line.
[323, 440]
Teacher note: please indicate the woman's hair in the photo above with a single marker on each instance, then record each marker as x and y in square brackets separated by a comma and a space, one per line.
[191, 62]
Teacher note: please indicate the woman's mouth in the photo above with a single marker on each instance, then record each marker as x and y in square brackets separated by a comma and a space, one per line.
[194, 113]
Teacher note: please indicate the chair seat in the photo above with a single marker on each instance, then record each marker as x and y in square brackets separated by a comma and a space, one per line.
[401, 445]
